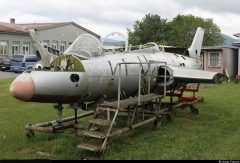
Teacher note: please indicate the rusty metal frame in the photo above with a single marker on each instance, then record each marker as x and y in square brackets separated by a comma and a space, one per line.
[139, 77]
[54, 127]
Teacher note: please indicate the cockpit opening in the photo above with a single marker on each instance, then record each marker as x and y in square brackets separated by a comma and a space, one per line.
[67, 63]
[85, 47]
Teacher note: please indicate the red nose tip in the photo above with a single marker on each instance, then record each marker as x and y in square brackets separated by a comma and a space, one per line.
[23, 88]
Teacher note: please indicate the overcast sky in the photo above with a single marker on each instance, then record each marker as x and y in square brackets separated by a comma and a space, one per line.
[105, 16]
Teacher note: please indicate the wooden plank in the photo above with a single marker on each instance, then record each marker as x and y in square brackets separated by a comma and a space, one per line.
[119, 131]
[101, 122]
[52, 129]
[89, 147]
[144, 122]
[93, 134]
[107, 109]
[39, 129]
[80, 126]
[126, 129]
[132, 101]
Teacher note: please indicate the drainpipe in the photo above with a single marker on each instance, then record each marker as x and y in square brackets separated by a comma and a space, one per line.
[238, 45]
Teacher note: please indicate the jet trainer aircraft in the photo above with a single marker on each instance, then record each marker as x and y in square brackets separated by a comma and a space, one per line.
[85, 73]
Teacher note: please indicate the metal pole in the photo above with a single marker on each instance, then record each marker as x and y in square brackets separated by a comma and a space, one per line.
[46, 124]
[149, 78]
[119, 86]
[75, 111]
[59, 109]
[139, 85]
[149, 82]
[165, 80]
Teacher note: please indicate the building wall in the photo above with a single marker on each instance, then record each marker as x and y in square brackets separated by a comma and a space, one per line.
[232, 61]
[206, 61]
[228, 60]
[10, 38]
[60, 35]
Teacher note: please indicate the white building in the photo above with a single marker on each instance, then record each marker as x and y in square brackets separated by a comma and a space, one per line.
[15, 39]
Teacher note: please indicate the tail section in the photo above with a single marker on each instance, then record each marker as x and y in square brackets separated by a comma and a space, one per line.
[195, 49]
[42, 54]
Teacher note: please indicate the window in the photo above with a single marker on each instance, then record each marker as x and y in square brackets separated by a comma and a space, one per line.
[31, 59]
[63, 47]
[214, 59]
[18, 58]
[26, 48]
[15, 47]
[3, 47]
[45, 43]
[202, 57]
[69, 44]
[54, 44]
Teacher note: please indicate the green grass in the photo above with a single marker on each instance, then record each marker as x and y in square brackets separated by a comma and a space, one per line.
[213, 134]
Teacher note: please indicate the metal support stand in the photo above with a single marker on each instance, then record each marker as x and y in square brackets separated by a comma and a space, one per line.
[59, 109]
[76, 113]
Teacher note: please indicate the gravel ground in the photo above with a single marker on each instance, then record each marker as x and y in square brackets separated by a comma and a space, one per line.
[8, 74]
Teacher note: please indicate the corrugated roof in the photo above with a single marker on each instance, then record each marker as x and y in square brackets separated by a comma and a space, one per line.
[237, 34]
[41, 26]
[236, 44]
[11, 29]
[228, 42]
[20, 28]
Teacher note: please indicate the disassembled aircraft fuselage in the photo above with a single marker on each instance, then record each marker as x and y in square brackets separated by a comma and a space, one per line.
[83, 75]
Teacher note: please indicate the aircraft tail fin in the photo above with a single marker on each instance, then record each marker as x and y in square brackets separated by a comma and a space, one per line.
[42, 54]
[195, 49]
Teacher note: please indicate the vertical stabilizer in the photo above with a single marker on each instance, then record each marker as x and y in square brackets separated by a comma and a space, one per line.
[195, 49]
[42, 54]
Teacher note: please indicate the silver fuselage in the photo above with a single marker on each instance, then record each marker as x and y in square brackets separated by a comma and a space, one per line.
[98, 79]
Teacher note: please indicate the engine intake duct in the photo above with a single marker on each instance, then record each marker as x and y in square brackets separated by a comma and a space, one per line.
[159, 78]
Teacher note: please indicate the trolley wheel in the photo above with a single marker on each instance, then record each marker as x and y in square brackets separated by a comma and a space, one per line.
[30, 134]
[202, 100]
[194, 110]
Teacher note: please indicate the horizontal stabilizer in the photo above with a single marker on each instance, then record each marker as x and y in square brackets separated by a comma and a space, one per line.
[196, 76]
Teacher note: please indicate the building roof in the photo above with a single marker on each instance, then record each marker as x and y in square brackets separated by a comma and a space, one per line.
[40, 26]
[237, 34]
[45, 26]
[10, 27]
[237, 43]
[228, 43]
[7, 28]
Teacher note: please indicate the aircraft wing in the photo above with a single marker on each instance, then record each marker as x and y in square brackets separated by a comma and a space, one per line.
[196, 76]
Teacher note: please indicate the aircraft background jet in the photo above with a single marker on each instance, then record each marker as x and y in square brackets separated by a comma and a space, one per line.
[84, 73]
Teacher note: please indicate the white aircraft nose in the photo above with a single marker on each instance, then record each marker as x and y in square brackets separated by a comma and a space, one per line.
[23, 88]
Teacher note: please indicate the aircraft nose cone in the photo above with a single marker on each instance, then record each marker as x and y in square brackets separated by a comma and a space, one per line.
[23, 88]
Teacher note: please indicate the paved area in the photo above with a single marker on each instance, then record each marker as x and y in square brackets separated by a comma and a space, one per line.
[8, 74]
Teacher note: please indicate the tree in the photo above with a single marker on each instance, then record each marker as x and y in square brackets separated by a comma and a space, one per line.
[150, 29]
[178, 32]
[183, 28]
